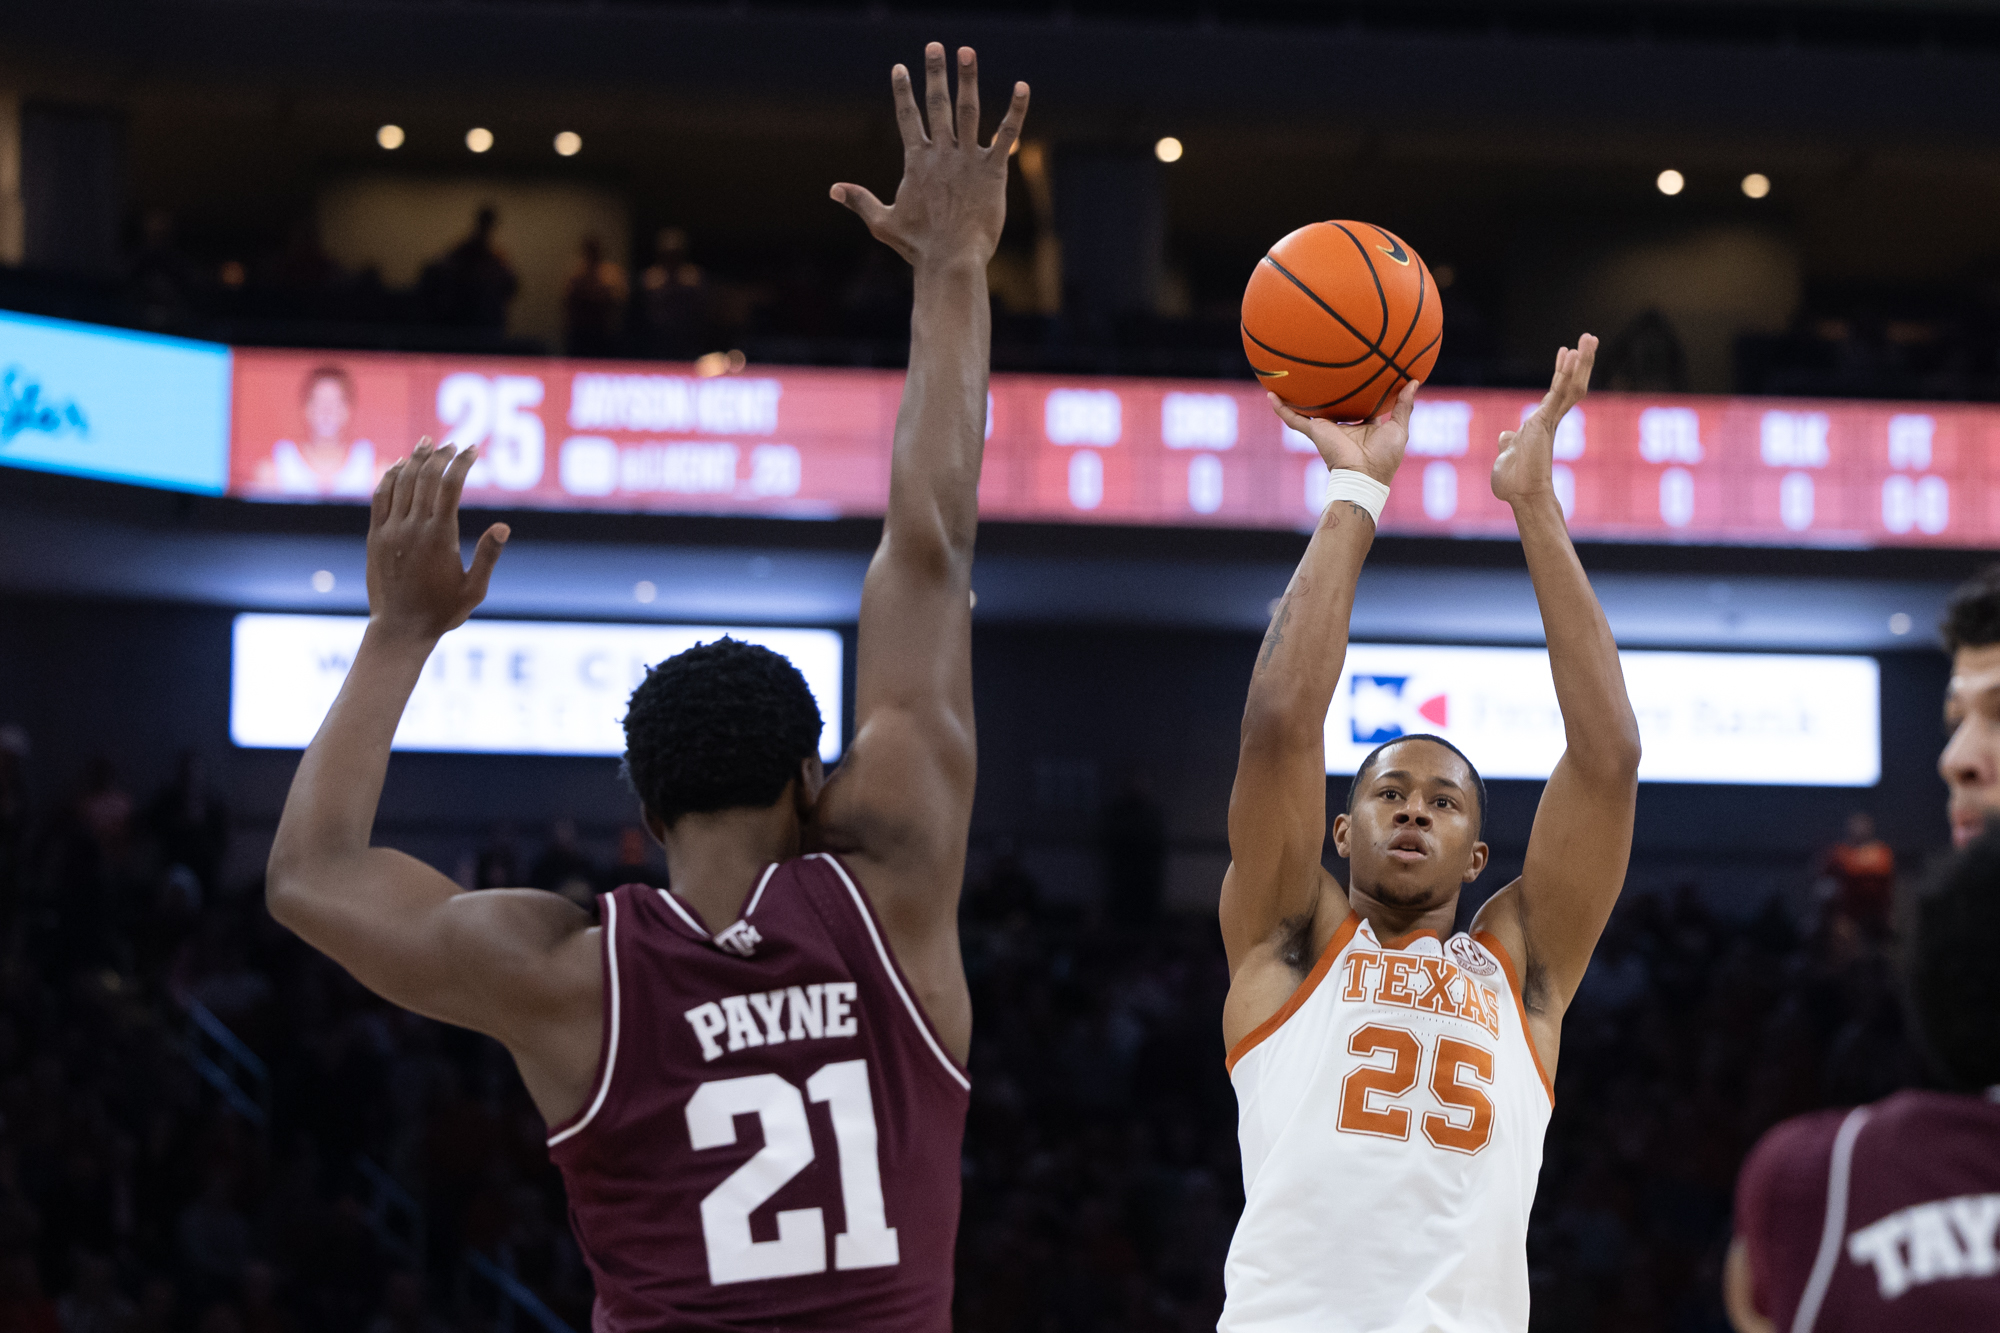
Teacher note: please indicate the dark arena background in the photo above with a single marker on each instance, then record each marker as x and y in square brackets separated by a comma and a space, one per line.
[596, 238]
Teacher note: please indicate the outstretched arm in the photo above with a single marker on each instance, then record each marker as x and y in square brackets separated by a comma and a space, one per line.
[519, 965]
[1277, 809]
[1551, 917]
[901, 802]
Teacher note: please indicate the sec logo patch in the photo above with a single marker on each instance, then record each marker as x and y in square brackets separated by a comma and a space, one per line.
[1471, 957]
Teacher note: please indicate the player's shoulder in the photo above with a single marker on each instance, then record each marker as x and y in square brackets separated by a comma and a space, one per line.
[1792, 1154]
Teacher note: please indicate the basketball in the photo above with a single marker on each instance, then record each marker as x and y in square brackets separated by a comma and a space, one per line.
[1338, 317]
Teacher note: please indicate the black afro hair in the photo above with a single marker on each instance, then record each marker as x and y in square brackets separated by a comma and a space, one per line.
[722, 725]
[1972, 617]
[1953, 986]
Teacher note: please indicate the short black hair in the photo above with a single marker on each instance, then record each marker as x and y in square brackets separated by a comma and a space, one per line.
[1478, 783]
[722, 725]
[1972, 617]
[1952, 986]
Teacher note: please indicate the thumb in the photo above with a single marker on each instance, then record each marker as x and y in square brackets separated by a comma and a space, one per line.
[484, 557]
[1405, 401]
[860, 199]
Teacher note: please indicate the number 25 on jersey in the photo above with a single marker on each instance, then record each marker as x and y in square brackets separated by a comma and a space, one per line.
[800, 1248]
[1372, 1097]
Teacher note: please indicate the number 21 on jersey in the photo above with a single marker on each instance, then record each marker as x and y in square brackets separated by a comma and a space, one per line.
[800, 1248]
[1371, 1098]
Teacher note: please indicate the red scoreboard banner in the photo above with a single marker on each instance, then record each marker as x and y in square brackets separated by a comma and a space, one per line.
[814, 443]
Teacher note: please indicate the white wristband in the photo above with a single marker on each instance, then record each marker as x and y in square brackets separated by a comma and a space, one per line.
[1357, 488]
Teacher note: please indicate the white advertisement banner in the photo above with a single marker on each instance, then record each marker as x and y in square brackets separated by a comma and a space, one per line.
[1766, 718]
[493, 686]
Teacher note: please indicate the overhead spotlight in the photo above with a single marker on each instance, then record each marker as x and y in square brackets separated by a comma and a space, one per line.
[1671, 181]
[1899, 623]
[1169, 149]
[644, 590]
[1756, 185]
[390, 137]
[479, 139]
[569, 143]
[322, 580]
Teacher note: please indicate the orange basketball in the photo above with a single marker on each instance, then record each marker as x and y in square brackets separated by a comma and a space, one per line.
[1338, 317]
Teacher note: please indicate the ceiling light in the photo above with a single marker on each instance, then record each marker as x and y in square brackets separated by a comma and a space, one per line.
[390, 137]
[569, 143]
[479, 139]
[322, 580]
[1169, 149]
[1756, 185]
[644, 590]
[1671, 181]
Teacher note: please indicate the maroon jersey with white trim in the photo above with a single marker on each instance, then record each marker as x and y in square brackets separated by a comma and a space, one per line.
[1882, 1219]
[773, 1138]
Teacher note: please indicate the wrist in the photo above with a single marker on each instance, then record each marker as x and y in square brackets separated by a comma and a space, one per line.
[1363, 490]
[963, 265]
[390, 632]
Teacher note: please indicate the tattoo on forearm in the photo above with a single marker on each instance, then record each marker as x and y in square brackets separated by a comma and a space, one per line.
[1276, 634]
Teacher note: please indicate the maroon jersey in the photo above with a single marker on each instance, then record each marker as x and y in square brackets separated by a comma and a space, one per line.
[773, 1138]
[1882, 1219]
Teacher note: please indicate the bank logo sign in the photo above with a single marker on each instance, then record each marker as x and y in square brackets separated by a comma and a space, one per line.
[1780, 719]
[494, 686]
[108, 403]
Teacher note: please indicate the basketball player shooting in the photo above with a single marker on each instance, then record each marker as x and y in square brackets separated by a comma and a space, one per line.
[1394, 1080]
[755, 1082]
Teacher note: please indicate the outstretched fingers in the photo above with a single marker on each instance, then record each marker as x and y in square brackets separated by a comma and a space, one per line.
[1297, 421]
[453, 484]
[406, 478]
[430, 480]
[937, 94]
[1009, 132]
[1406, 400]
[909, 120]
[968, 97]
[384, 502]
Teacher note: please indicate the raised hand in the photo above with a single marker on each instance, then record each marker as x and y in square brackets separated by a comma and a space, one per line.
[416, 585]
[1526, 465]
[1374, 447]
[952, 201]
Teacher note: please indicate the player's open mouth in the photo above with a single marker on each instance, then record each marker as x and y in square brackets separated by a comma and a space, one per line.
[1408, 847]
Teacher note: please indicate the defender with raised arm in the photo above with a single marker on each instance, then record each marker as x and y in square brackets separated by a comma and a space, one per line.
[755, 1081]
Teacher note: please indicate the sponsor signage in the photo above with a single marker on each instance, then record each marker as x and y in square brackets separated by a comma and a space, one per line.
[107, 403]
[1763, 718]
[493, 686]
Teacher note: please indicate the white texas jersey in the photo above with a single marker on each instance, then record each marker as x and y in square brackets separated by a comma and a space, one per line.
[1391, 1116]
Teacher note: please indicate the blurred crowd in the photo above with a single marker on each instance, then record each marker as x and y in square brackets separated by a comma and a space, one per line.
[205, 1127]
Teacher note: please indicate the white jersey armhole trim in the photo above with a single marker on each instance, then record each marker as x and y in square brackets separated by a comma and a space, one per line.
[611, 1051]
[895, 979]
[1839, 1172]
[758, 895]
[667, 897]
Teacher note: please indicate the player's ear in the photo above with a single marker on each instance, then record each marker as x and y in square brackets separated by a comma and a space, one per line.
[1341, 828]
[806, 786]
[654, 825]
[1477, 863]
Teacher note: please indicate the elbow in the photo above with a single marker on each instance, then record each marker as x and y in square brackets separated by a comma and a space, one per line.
[283, 887]
[1274, 722]
[1614, 756]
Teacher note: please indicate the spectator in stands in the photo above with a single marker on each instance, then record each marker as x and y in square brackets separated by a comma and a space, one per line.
[1862, 871]
[1646, 356]
[672, 308]
[473, 283]
[594, 303]
[638, 861]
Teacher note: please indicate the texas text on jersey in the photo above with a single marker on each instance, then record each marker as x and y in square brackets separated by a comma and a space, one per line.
[773, 1138]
